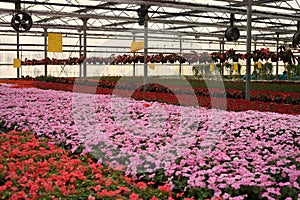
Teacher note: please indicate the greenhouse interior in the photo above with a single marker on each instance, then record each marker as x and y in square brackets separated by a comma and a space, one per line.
[160, 99]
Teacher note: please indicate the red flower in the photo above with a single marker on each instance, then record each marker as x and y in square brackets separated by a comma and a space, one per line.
[142, 185]
[146, 105]
[107, 183]
[8, 184]
[2, 188]
[19, 195]
[97, 188]
[125, 189]
[134, 196]
[179, 194]
[164, 188]
[90, 197]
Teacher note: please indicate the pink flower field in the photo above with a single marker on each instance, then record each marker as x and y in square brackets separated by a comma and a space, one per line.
[203, 152]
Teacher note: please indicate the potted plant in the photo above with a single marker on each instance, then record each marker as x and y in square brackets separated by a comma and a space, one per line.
[286, 55]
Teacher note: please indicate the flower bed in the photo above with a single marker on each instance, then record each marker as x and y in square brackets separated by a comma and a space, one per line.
[253, 154]
[255, 95]
[167, 96]
[35, 169]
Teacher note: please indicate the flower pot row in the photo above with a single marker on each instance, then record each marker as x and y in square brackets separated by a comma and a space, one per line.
[54, 61]
[158, 58]
[264, 54]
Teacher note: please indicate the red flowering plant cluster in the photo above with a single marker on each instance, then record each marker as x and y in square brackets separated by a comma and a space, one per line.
[204, 58]
[70, 61]
[194, 57]
[54, 61]
[231, 54]
[100, 60]
[96, 60]
[191, 57]
[255, 95]
[219, 57]
[158, 58]
[263, 100]
[124, 59]
[286, 55]
[37, 169]
[263, 54]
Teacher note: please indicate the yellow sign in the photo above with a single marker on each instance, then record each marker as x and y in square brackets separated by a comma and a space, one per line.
[235, 67]
[135, 46]
[17, 63]
[152, 66]
[54, 42]
[211, 67]
[259, 64]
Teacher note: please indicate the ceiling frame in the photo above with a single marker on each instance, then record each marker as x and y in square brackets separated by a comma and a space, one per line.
[189, 22]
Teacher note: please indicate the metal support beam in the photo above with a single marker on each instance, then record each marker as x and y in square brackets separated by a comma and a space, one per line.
[277, 47]
[18, 53]
[133, 56]
[222, 51]
[248, 62]
[180, 53]
[84, 46]
[145, 52]
[80, 54]
[45, 51]
[18, 7]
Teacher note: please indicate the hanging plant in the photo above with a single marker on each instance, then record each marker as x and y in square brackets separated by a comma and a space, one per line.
[214, 56]
[286, 55]
[136, 58]
[204, 58]
[219, 57]
[180, 59]
[171, 58]
[274, 57]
